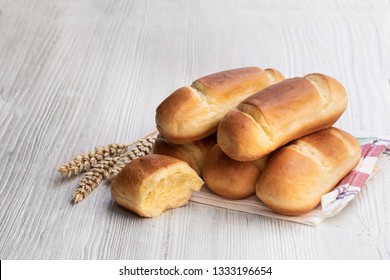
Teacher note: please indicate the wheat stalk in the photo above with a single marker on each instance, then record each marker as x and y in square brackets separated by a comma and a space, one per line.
[109, 167]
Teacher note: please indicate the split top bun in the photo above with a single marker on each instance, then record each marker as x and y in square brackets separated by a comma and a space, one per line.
[298, 175]
[192, 113]
[279, 114]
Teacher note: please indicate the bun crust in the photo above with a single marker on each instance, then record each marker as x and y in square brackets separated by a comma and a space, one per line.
[152, 184]
[298, 175]
[230, 178]
[279, 114]
[192, 113]
[193, 153]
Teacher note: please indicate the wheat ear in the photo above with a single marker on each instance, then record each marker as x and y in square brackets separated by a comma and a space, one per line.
[85, 161]
[109, 167]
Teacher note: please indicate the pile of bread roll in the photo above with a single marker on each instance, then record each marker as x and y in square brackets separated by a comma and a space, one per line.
[242, 132]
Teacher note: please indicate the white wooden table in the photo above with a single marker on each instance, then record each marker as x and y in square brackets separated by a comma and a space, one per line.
[82, 73]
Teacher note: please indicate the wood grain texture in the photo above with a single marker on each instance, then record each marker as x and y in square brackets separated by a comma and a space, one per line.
[76, 74]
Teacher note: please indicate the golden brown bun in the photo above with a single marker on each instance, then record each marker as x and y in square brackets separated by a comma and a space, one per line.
[230, 178]
[298, 175]
[192, 113]
[193, 153]
[279, 114]
[152, 184]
